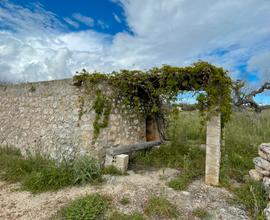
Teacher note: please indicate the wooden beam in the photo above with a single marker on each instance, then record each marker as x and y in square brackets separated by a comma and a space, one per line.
[132, 147]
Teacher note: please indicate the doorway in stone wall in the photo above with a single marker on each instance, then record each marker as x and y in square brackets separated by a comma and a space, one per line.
[151, 130]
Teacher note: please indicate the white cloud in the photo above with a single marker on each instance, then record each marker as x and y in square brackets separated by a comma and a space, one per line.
[72, 23]
[261, 63]
[37, 46]
[103, 25]
[88, 21]
[116, 17]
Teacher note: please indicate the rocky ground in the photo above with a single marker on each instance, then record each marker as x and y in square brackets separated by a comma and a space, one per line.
[138, 187]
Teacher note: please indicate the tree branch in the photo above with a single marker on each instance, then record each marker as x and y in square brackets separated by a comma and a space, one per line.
[242, 100]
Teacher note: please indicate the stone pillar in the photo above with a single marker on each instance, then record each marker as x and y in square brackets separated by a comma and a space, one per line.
[213, 153]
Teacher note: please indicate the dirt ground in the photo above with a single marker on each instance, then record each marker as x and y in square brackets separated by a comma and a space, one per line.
[138, 187]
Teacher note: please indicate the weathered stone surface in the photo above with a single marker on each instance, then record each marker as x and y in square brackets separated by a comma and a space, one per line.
[266, 183]
[267, 212]
[47, 120]
[213, 154]
[255, 175]
[264, 151]
[121, 162]
[265, 147]
[260, 162]
[262, 171]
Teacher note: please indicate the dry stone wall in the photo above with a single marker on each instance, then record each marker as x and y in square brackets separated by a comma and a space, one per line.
[262, 171]
[45, 117]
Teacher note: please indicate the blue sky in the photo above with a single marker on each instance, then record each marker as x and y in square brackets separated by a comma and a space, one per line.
[52, 39]
[107, 16]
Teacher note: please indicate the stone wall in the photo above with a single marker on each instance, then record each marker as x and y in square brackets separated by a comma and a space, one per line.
[44, 117]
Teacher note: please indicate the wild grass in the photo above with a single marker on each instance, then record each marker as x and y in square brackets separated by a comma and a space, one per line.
[160, 207]
[125, 200]
[201, 213]
[91, 207]
[132, 216]
[38, 174]
[185, 133]
[243, 133]
[112, 170]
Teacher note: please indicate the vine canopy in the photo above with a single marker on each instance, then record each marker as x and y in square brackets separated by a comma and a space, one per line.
[147, 91]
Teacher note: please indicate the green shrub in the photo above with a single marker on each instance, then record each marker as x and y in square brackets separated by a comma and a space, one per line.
[120, 216]
[160, 207]
[86, 170]
[91, 207]
[50, 177]
[253, 196]
[200, 213]
[38, 174]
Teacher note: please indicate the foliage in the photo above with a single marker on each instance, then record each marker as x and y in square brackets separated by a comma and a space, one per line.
[133, 216]
[102, 108]
[111, 170]
[85, 170]
[38, 174]
[243, 133]
[91, 207]
[253, 196]
[160, 207]
[125, 200]
[200, 213]
[145, 91]
[185, 133]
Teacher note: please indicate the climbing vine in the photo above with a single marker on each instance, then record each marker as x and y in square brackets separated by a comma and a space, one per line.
[102, 107]
[147, 91]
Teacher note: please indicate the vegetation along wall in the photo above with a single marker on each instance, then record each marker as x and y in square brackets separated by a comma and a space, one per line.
[57, 118]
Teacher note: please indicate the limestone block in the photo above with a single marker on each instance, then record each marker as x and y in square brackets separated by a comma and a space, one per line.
[262, 171]
[255, 175]
[266, 184]
[264, 155]
[260, 162]
[119, 161]
[265, 147]
[267, 212]
[264, 151]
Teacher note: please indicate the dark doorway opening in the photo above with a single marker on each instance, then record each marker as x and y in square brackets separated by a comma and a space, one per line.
[152, 133]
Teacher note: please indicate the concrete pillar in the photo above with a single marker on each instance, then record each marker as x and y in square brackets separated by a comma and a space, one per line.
[213, 153]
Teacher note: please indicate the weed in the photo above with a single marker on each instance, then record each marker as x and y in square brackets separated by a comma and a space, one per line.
[200, 213]
[253, 196]
[91, 207]
[120, 216]
[125, 201]
[243, 134]
[111, 170]
[38, 174]
[86, 170]
[160, 207]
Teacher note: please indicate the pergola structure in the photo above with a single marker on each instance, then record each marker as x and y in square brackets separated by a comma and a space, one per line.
[146, 91]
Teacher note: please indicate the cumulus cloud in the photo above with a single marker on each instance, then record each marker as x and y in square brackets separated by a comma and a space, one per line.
[35, 45]
[88, 21]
